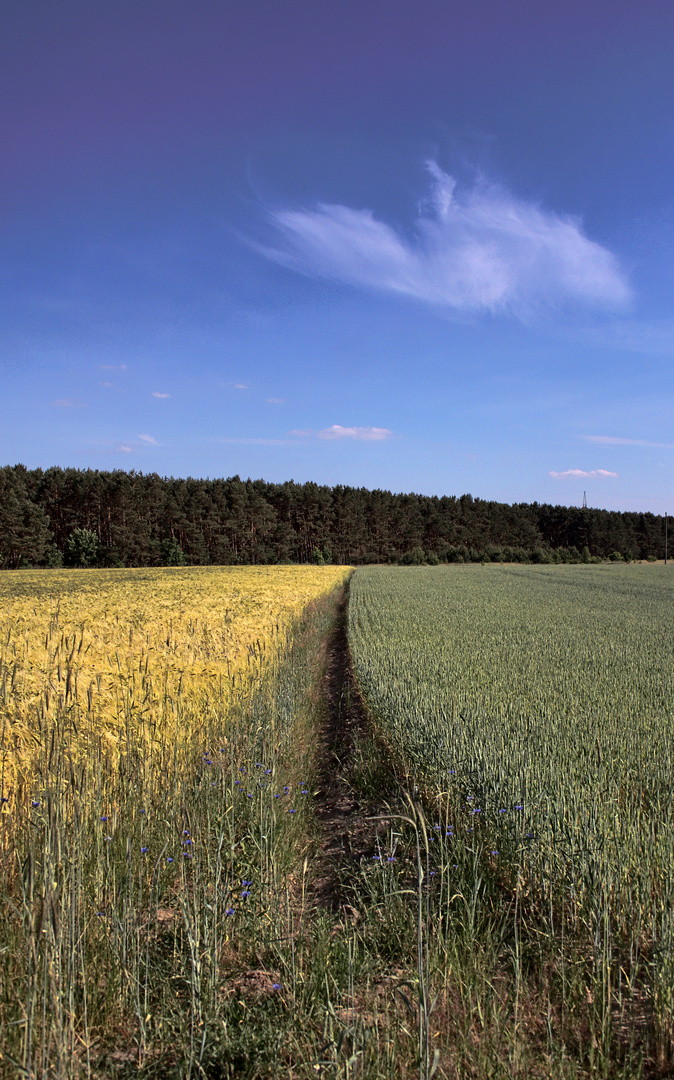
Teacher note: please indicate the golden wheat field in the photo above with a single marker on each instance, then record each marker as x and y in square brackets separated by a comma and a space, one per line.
[108, 655]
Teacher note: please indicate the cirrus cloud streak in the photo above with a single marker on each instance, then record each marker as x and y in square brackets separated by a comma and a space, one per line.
[474, 250]
[614, 440]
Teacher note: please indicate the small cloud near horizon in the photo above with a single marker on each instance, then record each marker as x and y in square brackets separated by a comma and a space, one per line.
[591, 474]
[476, 249]
[158, 394]
[149, 439]
[336, 431]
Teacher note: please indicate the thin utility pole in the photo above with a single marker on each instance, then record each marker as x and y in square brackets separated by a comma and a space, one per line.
[665, 537]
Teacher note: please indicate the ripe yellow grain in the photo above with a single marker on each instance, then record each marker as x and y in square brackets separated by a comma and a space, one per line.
[105, 653]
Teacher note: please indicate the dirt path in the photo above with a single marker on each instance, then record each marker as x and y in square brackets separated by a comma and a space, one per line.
[348, 835]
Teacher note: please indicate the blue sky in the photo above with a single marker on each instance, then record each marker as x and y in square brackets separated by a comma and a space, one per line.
[422, 247]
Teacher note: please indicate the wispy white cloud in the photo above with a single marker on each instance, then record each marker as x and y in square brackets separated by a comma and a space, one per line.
[124, 449]
[158, 394]
[336, 431]
[276, 400]
[477, 249]
[613, 440]
[591, 474]
[70, 403]
[367, 434]
[149, 439]
[113, 367]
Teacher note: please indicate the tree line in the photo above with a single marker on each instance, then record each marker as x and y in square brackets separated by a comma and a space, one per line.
[73, 517]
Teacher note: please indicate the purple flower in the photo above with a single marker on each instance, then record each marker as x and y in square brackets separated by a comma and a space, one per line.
[36, 802]
[187, 854]
[229, 911]
[143, 850]
[292, 811]
[246, 892]
[276, 986]
[169, 859]
[104, 818]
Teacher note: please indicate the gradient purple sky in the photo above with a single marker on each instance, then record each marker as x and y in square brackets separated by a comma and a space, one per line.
[224, 250]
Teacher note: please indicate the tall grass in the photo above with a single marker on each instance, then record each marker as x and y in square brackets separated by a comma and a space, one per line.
[530, 710]
[150, 889]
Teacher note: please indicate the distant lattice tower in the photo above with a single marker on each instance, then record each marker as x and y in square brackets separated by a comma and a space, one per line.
[584, 500]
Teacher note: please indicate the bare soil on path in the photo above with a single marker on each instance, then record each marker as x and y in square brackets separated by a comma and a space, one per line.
[348, 833]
